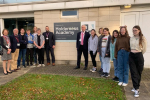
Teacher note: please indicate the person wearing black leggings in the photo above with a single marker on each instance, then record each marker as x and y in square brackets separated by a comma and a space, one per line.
[138, 47]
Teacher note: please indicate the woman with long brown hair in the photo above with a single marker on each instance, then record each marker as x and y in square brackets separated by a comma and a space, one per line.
[115, 35]
[92, 48]
[104, 52]
[6, 57]
[138, 47]
[122, 49]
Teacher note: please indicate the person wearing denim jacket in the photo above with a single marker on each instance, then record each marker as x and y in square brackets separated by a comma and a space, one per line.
[112, 52]
[29, 48]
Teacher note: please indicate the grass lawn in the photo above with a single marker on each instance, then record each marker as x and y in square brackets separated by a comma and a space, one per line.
[56, 87]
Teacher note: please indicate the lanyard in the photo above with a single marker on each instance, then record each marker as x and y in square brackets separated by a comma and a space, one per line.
[17, 39]
[7, 40]
[47, 34]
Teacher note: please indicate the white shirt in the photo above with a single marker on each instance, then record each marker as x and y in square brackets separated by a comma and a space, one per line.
[104, 41]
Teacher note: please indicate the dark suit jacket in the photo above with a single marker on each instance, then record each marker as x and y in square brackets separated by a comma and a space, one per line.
[25, 41]
[51, 39]
[85, 41]
[13, 43]
[107, 47]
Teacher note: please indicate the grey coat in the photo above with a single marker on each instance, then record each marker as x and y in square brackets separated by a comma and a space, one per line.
[107, 47]
[42, 39]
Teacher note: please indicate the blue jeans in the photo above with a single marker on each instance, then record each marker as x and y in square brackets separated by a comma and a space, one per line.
[35, 55]
[115, 62]
[123, 66]
[105, 60]
[101, 61]
[22, 53]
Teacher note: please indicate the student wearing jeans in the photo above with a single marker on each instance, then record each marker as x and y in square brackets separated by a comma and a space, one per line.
[138, 45]
[29, 48]
[112, 52]
[39, 42]
[101, 35]
[104, 51]
[122, 49]
[92, 48]
[23, 45]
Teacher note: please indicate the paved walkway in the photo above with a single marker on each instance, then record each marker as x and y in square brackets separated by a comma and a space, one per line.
[7, 78]
[69, 71]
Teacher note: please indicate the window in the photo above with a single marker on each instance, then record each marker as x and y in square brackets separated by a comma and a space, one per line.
[69, 13]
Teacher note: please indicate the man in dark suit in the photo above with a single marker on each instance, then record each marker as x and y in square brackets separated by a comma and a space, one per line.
[15, 46]
[49, 45]
[82, 46]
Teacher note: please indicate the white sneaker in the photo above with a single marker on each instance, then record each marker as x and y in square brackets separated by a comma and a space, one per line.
[43, 65]
[39, 65]
[124, 84]
[92, 69]
[133, 90]
[136, 94]
[120, 83]
[34, 64]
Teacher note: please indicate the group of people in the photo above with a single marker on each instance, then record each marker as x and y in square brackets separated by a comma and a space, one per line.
[25, 47]
[125, 52]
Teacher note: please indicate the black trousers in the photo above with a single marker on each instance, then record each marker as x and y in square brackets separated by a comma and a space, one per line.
[52, 54]
[29, 55]
[40, 55]
[93, 58]
[136, 63]
[85, 53]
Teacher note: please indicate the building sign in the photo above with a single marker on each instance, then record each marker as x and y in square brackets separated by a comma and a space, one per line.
[66, 31]
[69, 30]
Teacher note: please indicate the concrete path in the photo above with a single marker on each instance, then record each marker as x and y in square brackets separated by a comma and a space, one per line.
[69, 71]
[7, 78]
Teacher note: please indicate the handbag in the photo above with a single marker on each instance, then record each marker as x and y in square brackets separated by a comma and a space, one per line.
[1, 48]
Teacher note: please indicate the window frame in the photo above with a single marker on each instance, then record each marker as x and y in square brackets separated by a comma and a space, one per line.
[72, 16]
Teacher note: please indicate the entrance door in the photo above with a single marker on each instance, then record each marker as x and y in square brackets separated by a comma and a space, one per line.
[144, 23]
[130, 19]
[142, 19]
[11, 23]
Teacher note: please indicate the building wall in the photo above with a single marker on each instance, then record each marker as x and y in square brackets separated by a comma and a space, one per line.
[104, 17]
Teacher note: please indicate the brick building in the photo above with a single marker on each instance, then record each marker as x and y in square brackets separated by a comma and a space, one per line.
[105, 13]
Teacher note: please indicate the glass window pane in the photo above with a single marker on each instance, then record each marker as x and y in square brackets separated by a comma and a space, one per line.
[69, 13]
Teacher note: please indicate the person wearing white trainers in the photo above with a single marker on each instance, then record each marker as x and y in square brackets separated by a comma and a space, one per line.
[43, 65]
[120, 83]
[104, 51]
[39, 42]
[39, 65]
[138, 45]
[92, 48]
[122, 49]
